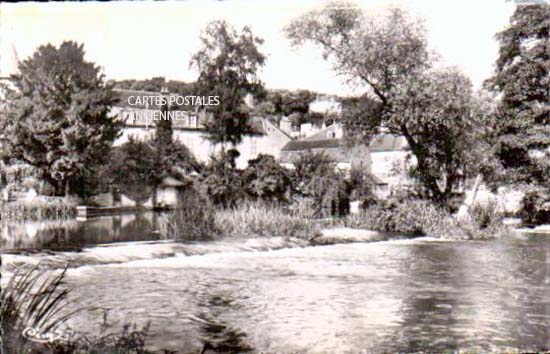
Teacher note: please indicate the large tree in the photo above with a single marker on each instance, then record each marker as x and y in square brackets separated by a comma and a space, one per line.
[388, 57]
[57, 120]
[228, 63]
[522, 78]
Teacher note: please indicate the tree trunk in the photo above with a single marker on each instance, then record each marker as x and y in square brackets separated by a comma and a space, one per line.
[67, 188]
[154, 199]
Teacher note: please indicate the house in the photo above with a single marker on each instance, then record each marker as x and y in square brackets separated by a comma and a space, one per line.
[386, 157]
[266, 138]
[167, 193]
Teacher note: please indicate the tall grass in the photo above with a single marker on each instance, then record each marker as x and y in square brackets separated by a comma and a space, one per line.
[419, 217]
[32, 299]
[38, 209]
[259, 220]
[415, 217]
[35, 300]
[193, 220]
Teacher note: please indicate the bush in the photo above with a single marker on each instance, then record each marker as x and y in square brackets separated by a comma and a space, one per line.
[221, 182]
[536, 207]
[261, 219]
[308, 165]
[409, 216]
[265, 179]
[17, 173]
[420, 217]
[485, 216]
[193, 219]
[132, 168]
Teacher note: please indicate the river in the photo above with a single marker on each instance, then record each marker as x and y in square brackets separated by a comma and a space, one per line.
[406, 295]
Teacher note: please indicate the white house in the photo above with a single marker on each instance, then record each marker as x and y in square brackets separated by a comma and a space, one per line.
[267, 138]
[386, 157]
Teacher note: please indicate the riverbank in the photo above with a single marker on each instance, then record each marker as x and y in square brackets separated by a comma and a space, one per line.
[411, 217]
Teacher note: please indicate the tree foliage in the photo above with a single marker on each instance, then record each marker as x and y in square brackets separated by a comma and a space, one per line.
[228, 63]
[221, 182]
[57, 120]
[388, 56]
[309, 164]
[266, 179]
[131, 169]
[522, 77]
[157, 84]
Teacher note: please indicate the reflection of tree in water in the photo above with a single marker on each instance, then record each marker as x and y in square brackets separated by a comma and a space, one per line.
[428, 307]
[119, 228]
[217, 336]
[59, 239]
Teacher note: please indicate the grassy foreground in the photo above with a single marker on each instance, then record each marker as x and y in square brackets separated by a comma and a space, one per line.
[34, 304]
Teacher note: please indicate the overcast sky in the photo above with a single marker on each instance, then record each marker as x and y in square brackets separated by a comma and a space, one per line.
[137, 40]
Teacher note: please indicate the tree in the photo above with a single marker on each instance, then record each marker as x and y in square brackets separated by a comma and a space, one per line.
[228, 63]
[266, 179]
[388, 56]
[308, 165]
[57, 120]
[131, 168]
[522, 77]
[221, 182]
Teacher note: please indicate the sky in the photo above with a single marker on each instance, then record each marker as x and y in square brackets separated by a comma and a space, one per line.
[138, 40]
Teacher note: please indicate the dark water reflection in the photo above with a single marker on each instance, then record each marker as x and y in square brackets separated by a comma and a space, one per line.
[403, 296]
[71, 235]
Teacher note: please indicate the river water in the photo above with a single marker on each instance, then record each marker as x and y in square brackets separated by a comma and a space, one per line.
[405, 295]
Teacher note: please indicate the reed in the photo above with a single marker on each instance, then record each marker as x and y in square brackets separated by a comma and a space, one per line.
[33, 299]
[255, 219]
[38, 209]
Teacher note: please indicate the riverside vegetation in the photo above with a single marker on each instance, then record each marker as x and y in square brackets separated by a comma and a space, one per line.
[36, 299]
[38, 209]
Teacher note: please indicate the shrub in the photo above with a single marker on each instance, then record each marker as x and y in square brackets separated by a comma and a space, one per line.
[420, 217]
[193, 219]
[331, 194]
[485, 216]
[265, 179]
[536, 207]
[408, 216]
[17, 173]
[261, 219]
[221, 182]
[310, 164]
[132, 168]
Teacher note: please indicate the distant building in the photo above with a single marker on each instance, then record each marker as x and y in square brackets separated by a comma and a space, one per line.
[326, 104]
[386, 157]
[266, 138]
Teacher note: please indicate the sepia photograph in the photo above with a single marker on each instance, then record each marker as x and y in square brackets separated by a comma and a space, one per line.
[275, 177]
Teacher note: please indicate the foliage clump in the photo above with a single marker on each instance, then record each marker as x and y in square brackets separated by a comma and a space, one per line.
[421, 217]
[536, 207]
[61, 105]
[193, 219]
